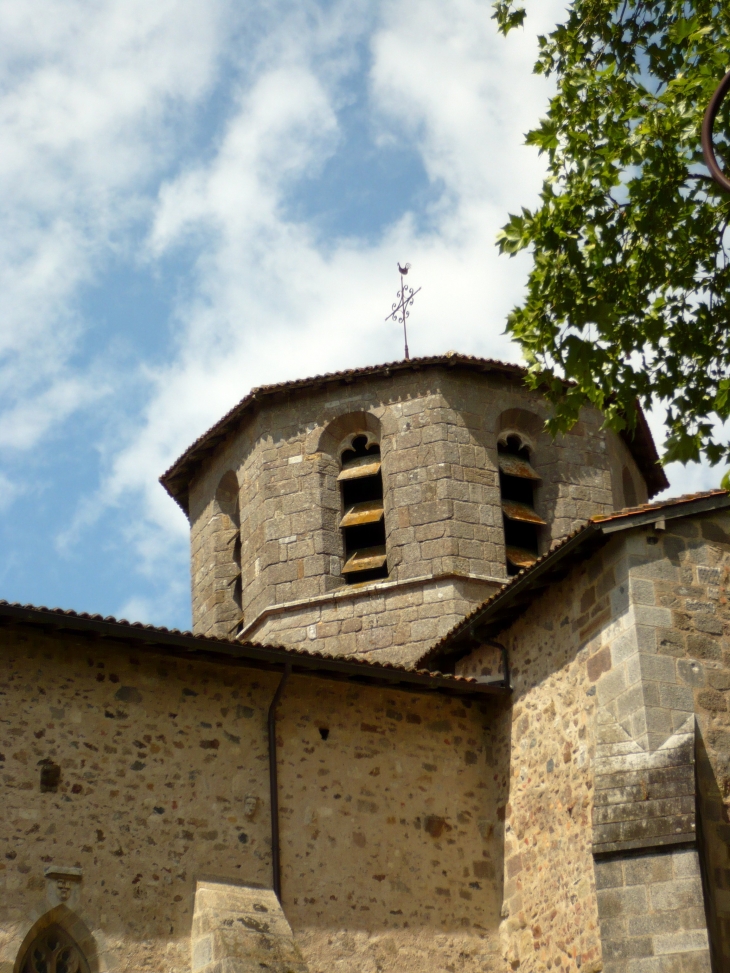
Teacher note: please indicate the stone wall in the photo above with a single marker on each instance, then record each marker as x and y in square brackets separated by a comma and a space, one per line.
[438, 430]
[241, 928]
[652, 914]
[546, 758]
[156, 789]
[611, 668]
[393, 621]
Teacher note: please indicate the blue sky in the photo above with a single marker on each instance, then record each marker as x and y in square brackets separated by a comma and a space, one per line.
[200, 196]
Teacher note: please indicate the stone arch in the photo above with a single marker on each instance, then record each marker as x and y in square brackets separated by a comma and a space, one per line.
[338, 433]
[629, 488]
[70, 923]
[227, 545]
[519, 422]
[331, 442]
[227, 496]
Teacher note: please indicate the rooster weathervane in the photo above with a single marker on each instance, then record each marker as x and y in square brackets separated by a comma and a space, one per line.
[399, 311]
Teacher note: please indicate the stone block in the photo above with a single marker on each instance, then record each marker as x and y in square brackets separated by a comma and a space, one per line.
[690, 673]
[622, 901]
[623, 647]
[681, 942]
[686, 864]
[677, 894]
[677, 698]
[653, 923]
[648, 869]
[703, 647]
[652, 616]
[658, 668]
[627, 948]
[611, 685]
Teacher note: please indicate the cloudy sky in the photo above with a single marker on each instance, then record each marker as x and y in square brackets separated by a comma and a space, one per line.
[201, 196]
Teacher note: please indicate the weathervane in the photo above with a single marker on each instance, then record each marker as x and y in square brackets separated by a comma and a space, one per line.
[400, 312]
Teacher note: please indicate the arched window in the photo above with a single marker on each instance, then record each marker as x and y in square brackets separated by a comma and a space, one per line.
[517, 481]
[53, 951]
[362, 524]
[229, 571]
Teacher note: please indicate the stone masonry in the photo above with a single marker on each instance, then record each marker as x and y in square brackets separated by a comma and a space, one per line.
[158, 826]
[652, 914]
[619, 736]
[438, 429]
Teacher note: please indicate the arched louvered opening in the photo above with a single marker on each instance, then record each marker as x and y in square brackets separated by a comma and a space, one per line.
[229, 567]
[629, 489]
[53, 951]
[517, 482]
[363, 523]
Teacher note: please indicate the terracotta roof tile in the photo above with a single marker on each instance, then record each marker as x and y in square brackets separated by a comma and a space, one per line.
[111, 627]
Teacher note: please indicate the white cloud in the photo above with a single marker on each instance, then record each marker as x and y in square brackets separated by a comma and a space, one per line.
[87, 100]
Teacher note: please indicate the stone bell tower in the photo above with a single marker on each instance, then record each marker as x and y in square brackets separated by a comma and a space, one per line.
[363, 513]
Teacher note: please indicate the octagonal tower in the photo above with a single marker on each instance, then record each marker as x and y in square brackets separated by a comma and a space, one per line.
[366, 512]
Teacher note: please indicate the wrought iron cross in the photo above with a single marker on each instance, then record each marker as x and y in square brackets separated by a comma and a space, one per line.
[400, 312]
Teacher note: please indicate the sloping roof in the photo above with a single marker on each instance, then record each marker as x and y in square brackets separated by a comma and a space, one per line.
[176, 480]
[250, 654]
[513, 598]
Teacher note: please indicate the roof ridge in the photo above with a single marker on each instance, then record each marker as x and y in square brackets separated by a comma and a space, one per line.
[213, 640]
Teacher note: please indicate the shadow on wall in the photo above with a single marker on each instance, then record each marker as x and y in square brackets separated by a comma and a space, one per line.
[713, 833]
[390, 825]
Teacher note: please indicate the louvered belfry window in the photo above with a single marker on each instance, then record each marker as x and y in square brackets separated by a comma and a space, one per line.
[517, 482]
[362, 524]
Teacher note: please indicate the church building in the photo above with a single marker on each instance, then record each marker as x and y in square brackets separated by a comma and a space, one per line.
[456, 699]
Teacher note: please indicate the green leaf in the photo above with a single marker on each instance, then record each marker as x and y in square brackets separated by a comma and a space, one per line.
[628, 295]
[507, 15]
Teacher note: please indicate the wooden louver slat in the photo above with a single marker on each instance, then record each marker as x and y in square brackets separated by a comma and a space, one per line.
[362, 466]
[366, 512]
[521, 511]
[512, 465]
[520, 557]
[365, 560]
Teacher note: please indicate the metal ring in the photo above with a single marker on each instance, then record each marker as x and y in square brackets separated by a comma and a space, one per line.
[708, 149]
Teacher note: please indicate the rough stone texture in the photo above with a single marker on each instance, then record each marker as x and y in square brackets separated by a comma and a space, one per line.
[219, 572]
[611, 668]
[397, 621]
[239, 929]
[643, 799]
[651, 911]
[438, 430]
[546, 753]
[391, 841]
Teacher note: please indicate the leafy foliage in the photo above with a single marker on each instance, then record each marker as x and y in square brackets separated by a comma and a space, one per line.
[628, 295]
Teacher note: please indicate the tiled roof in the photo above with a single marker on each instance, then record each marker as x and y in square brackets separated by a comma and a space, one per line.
[244, 653]
[512, 599]
[176, 480]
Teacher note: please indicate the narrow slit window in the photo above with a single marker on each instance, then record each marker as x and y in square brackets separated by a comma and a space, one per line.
[363, 522]
[517, 482]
